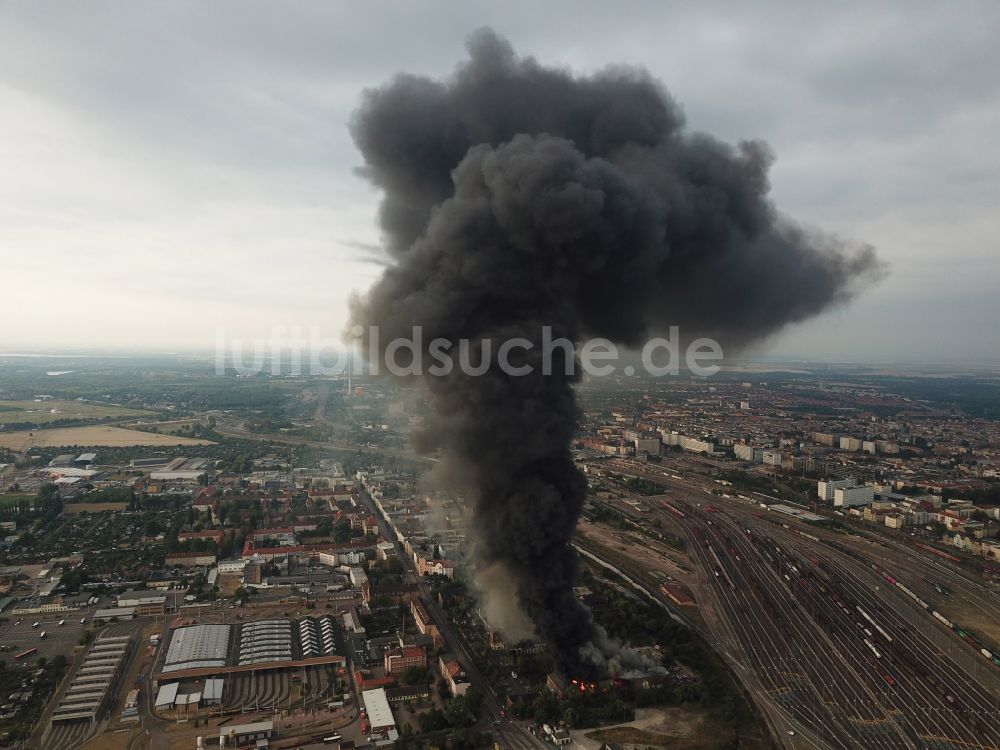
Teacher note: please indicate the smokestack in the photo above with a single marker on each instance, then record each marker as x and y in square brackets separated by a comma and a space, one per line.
[518, 196]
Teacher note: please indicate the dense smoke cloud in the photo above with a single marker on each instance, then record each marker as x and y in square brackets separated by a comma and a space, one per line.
[519, 196]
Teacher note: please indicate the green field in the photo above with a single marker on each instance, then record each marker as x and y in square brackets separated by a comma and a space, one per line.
[7, 500]
[53, 410]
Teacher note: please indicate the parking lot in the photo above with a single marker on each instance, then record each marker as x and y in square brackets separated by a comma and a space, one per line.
[17, 634]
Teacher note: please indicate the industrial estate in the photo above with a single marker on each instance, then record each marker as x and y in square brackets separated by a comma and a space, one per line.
[796, 559]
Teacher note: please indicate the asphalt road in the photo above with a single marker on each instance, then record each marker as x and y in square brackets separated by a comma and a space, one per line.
[511, 733]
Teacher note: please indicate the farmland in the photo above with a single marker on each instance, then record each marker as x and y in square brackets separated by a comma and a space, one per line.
[42, 412]
[94, 436]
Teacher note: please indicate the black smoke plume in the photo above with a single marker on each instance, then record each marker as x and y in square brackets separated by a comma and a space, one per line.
[518, 196]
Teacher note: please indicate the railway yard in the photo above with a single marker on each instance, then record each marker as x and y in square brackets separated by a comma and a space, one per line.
[64, 735]
[838, 635]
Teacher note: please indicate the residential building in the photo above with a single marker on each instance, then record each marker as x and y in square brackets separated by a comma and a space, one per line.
[398, 660]
[846, 497]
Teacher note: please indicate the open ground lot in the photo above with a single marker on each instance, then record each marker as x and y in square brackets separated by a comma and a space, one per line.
[675, 728]
[971, 617]
[646, 553]
[43, 412]
[18, 635]
[113, 740]
[98, 435]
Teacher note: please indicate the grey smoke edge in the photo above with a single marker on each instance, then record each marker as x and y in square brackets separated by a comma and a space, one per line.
[517, 197]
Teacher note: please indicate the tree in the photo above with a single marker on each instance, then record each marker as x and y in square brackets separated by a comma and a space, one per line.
[414, 676]
[74, 579]
[47, 493]
[533, 667]
[342, 533]
[545, 708]
[433, 720]
[456, 710]
[474, 700]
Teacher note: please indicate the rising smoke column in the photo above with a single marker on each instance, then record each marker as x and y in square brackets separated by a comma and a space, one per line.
[518, 196]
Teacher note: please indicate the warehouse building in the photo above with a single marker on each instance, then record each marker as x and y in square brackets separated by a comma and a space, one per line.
[118, 614]
[246, 734]
[264, 641]
[380, 714]
[204, 651]
[197, 646]
[95, 684]
[146, 603]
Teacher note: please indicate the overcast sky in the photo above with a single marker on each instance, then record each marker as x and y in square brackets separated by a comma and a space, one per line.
[167, 168]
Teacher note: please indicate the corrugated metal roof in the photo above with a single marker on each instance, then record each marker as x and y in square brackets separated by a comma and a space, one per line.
[167, 694]
[377, 705]
[107, 614]
[213, 688]
[198, 645]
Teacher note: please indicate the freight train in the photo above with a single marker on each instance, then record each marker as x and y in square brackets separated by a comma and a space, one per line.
[969, 639]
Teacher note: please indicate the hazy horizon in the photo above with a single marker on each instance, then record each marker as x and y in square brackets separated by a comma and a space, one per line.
[730, 363]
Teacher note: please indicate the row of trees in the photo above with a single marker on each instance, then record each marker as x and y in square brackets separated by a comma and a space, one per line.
[47, 504]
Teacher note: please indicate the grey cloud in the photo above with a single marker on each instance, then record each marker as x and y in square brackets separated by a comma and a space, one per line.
[883, 118]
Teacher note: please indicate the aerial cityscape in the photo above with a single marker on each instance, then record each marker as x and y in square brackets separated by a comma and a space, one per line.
[450, 384]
